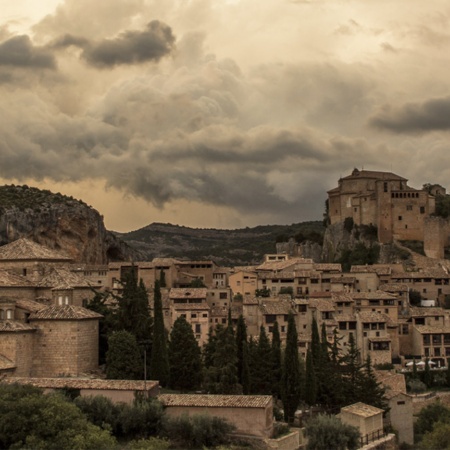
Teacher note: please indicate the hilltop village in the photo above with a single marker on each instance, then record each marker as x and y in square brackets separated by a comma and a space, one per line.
[396, 314]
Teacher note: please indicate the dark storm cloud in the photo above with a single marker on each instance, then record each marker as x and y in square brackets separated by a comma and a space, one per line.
[68, 40]
[430, 115]
[19, 51]
[131, 47]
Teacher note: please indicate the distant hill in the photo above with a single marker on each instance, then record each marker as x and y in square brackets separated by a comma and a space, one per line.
[244, 246]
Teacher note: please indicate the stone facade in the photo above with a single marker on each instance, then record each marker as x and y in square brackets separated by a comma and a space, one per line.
[382, 199]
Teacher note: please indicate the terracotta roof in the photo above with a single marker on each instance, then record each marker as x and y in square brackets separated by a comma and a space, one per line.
[341, 297]
[374, 174]
[83, 383]
[345, 317]
[362, 409]
[375, 268]
[284, 275]
[276, 307]
[425, 311]
[14, 325]
[61, 278]
[250, 300]
[394, 287]
[345, 280]
[29, 305]
[421, 275]
[222, 311]
[216, 401]
[11, 279]
[377, 295]
[328, 267]
[321, 305]
[380, 339]
[369, 316]
[428, 329]
[6, 364]
[188, 293]
[65, 312]
[276, 265]
[27, 250]
[392, 381]
[165, 261]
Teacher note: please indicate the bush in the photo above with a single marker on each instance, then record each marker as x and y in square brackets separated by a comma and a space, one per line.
[348, 224]
[198, 431]
[416, 386]
[148, 444]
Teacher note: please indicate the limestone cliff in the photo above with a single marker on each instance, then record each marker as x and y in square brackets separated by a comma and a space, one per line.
[58, 222]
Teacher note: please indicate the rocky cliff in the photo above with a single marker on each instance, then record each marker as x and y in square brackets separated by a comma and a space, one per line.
[59, 222]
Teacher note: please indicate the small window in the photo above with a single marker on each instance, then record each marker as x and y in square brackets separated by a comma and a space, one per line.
[400, 218]
[422, 210]
[401, 403]
[198, 328]
[193, 316]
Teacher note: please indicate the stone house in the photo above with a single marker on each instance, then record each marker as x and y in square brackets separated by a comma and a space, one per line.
[251, 414]
[243, 282]
[368, 419]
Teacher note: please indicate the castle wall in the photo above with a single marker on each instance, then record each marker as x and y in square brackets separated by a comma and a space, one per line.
[18, 347]
[436, 236]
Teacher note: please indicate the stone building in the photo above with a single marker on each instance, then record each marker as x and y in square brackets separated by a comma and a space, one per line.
[382, 199]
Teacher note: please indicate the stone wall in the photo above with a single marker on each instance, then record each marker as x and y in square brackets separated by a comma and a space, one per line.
[18, 347]
[436, 236]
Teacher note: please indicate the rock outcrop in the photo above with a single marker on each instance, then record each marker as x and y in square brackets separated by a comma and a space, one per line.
[59, 222]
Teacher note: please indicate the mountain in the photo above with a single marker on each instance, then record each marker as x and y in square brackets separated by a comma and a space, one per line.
[244, 246]
[61, 223]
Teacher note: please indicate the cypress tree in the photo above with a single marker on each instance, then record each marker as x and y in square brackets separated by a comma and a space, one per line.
[414, 371]
[159, 363]
[262, 376]
[427, 375]
[352, 372]
[372, 392]
[310, 391]
[291, 381]
[162, 279]
[276, 360]
[241, 339]
[315, 343]
[447, 373]
[184, 357]
[245, 372]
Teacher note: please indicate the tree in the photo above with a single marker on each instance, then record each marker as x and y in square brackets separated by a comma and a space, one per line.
[291, 381]
[276, 360]
[310, 380]
[427, 375]
[241, 339]
[221, 376]
[197, 283]
[245, 372]
[352, 372]
[438, 438]
[209, 349]
[415, 297]
[184, 357]
[30, 419]
[428, 417]
[264, 292]
[159, 363]
[262, 376]
[123, 360]
[371, 391]
[328, 432]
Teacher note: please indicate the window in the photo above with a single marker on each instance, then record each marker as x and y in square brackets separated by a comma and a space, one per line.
[9, 314]
[223, 295]
[283, 328]
[400, 218]
[422, 210]
[352, 325]
[342, 325]
[205, 315]
[193, 316]
[385, 186]
[198, 328]
[426, 339]
[400, 403]
[437, 351]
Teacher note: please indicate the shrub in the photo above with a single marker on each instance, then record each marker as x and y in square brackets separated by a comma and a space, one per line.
[348, 224]
[148, 444]
[416, 386]
[198, 431]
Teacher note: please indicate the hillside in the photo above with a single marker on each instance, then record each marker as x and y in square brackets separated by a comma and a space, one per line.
[58, 222]
[226, 247]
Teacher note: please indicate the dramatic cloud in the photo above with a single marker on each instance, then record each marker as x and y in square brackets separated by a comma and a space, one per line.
[259, 109]
[19, 51]
[431, 115]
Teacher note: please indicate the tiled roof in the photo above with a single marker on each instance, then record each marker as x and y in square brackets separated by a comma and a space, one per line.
[392, 381]
[165, 261]
[250, 300]
[61, 278]
[11, 279]
[377, 295]
[362, 409]
[345, 318]
[196, 261]
[369, 316]
[276, 307]
[285, 275]
[425, 311]
[437, 273]
[345, 280]
[328, 267]
[29, 305]
[380, 339]
[375, 268]
[321, 305]
[65, 312]
[222, 311]
[394, 287]
[14, 325]
[26, 250]
[341, 297]
[188, 293]
[276, 265]
[427, 329]
[216, 401]
[83, 383]
[6, 364]
[356, 174]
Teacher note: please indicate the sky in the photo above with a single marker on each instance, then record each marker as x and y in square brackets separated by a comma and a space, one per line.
[220, 113]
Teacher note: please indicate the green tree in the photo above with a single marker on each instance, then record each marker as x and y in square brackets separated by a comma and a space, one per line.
[428, 417]
[329, 433]
[184, 357]
[438, 438]
[415, 297]
[264, 292]
[123, 360]
[159, 363]
[291, 377]
[209, 349]
[276, 360]
[262, 376]
[30, 419]
[245, 372]
[372, 392]
[221, 376]
[427, 377]
[197, 283]
[310, 391]
[288, 290]
[241, 339]
[352, 372]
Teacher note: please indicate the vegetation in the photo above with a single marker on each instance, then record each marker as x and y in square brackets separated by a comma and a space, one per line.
[184, 357]
[227, 247]
[29, 419]
[427, 420]
[123, 360]
[360, 254]
[328, 432]
[159, 363]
